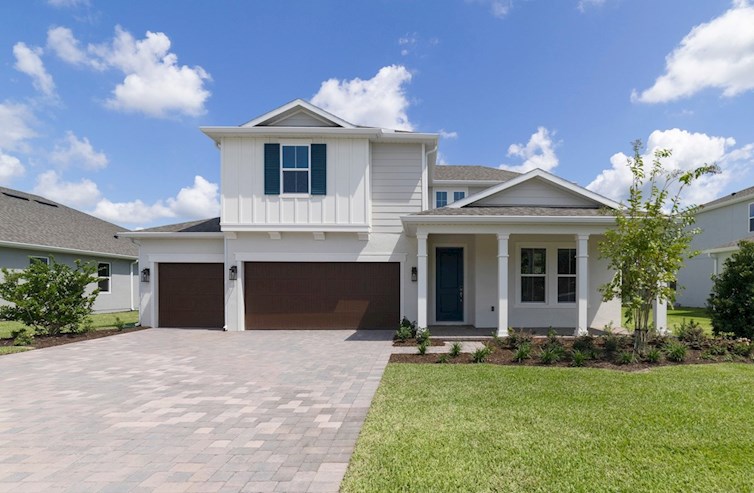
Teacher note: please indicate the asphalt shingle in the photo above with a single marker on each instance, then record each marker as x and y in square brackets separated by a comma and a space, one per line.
[200, 226]
[516, 211]
[472, 173]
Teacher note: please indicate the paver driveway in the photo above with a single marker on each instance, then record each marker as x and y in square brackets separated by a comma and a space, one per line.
[188, 410]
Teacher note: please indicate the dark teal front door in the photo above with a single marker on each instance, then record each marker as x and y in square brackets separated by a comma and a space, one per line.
[449, 286]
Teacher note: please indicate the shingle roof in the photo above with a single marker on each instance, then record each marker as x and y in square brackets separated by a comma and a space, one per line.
[735, 195]
[472, 173]
[732, 244]
[31, 219]
[515, 211]
[200, 226]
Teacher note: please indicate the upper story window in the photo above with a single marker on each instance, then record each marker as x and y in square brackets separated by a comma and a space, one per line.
[44, 260]
[458, 196]
[103, 271]
[751, 218]
[441, 199]
[295, 169]
[533, 275]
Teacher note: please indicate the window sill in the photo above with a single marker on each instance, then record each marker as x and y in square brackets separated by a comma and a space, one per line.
[295, 195]
[544, 305]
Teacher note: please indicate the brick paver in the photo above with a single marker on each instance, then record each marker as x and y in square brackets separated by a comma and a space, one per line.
[169, 410]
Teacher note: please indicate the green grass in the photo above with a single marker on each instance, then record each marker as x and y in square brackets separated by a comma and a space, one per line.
[676, 316]
[14, 349]
[511, 429]
[99, 321]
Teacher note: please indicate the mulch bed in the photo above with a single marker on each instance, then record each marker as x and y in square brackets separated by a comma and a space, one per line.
[412, 342]
[49, 341]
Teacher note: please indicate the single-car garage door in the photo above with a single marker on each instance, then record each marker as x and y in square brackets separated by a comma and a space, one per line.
[191, 295]
[322, 295]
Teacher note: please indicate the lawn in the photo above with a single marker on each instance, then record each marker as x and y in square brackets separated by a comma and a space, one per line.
[99, 321]
[677, 315]
[490, 428]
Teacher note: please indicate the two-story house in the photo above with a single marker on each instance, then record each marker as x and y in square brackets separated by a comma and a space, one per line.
[325, 224]
[722, 222]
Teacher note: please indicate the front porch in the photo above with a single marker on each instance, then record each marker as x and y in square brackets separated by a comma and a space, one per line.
[467, 332]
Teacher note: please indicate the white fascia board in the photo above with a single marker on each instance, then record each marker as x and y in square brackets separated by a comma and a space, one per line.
[295, 228]
[47, 248]
[714, 251]
[377, 134]
[169, 235]
[301, 104]
[507, 219]
[537, 173]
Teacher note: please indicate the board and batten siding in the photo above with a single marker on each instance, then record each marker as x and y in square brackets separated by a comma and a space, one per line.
[244, 201]
[396, 185]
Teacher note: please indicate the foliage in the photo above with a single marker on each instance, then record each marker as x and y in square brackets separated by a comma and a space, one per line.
[550, 355]
[741, 347]
[610, 342]
[523, 352]
[51, 298]
[119, 324]
[585, 344]
[481, 354]
[579, 358]
[691, 333]
[422, 336]
[422, 347]
[731, 303]
[455, 349]
[22, 337]
[405, 322]
[443, 358]
[653, 355]
[651, 238]
[403, 334]
[518, 337]
[625, 358]
[676, 351]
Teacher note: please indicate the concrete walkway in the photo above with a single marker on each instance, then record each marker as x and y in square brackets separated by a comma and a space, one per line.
[169, 410]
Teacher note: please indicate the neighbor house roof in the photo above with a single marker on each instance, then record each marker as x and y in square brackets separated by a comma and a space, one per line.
[472, 173]
[507, 211]
[731, 198]
[728, 247]
[200, 226]
[31, 221]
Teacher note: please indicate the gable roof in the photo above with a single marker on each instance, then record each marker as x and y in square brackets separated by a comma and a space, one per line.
[515, 211]
[296, 106]
[455, 172]
[541, 174]
[31, 221]
[201, 226]
[731, 198]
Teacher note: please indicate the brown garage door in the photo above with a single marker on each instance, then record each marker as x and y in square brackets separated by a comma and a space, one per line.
[319, 295]
[191, 295]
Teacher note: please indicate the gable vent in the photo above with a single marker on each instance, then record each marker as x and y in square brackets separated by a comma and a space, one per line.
[16, 196]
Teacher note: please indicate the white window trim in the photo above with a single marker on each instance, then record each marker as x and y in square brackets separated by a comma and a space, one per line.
[109, 278]
[551, 276]
[296, 170]
[521, 276]
[437, 205]
[574, 276]
[39, 257]
[450, 192]
[432, 279]
[750, 217]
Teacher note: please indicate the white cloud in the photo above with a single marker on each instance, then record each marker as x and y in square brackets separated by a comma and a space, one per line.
[407, 43]
[195, 202]
[717, 54]
[16, 122]
[29, 61]
[498, 8]
[583, 5]
[67, 3]
[78, 152]
[10, 167]
[65, 45]
[539, 152]
[447, 135]
[689, 150]
[83, 193]
[380, 101]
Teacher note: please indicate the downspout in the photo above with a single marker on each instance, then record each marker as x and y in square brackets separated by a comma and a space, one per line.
[131, 278]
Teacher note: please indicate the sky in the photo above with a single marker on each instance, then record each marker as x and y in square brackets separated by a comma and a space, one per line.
[100, 101]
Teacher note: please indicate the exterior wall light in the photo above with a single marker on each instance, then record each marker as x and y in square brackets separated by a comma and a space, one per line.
[145, 275]
[233, 273]
[414, 274]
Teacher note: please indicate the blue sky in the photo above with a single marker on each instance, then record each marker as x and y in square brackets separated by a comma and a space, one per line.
[100, 101]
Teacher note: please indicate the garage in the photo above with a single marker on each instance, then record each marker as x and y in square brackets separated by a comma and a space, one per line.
[191, 295]
[322, 295]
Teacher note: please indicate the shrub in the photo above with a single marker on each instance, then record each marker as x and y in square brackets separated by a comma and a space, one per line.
[22, 337]
[550, 355]
[403, 334]
[422, 336]
[455, 349]
[516, 338]
[676, 351]
[584, 344]
[731, 303]
[741, 347]
[119, 324]
[481, 354]
[653, 355]
[610, 342]
[717, 348]
[522, 353]
[625, 358]
[442, 359]
[578, 358]
[691, 333]
[50, 298]
[422, 347]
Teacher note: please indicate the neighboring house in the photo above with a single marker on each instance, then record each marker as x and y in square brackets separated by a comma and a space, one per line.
[723, 223]
[325, 224]
[33, 229]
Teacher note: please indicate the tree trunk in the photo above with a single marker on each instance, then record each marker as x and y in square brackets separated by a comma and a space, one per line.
[640, 340]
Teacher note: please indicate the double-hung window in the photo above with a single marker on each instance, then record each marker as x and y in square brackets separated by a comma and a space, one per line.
[533, 275]
[458, 196]
[566, 275]
[103, 272]
[751, 218]
[441, 199]
[295, 169]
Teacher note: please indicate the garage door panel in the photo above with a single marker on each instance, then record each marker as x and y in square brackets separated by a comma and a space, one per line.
[337, 295]
[191, 295]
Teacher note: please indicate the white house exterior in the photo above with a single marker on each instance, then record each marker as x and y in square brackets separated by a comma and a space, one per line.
[722, 223]
[325, 224]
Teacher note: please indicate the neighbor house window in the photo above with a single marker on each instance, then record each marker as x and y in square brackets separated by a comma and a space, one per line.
[103, 272]
[751, 218]
[566, 275]
[44, 260]
[533, 275]
[458, 196]
[441, 199]
[295, 169]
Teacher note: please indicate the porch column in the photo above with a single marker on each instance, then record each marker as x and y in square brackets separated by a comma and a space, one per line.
[660, 315]
[502, 284]
[421, 279]
[582, 283]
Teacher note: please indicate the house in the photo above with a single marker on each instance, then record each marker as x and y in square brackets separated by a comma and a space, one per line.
[326, 224]
[722, 223]
[33, 229]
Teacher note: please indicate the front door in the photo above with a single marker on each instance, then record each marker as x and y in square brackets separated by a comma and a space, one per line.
[449, 287]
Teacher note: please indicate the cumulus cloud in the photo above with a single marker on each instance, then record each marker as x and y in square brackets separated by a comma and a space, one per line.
[29, 62]
[10, 167]
[717, 54]
[690, 150]
[83, 193]
[78, 152]
[539, 152]
[447, 135]
[583, 5]
[379, 102]
[498, 8]
[154, 83]
[16, 122]
[201, 200]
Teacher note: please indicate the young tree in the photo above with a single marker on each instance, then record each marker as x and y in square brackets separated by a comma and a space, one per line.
[650, 240]
[731, 303]
[50, 298]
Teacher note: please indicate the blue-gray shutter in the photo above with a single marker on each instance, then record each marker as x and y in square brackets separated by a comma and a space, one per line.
[319, 169]
[272, 169]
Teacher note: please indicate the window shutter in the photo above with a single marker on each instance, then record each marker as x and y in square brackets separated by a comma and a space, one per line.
[272, 169]
[319, 169]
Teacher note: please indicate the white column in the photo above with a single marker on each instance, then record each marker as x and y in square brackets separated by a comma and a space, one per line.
[660, 315]
[582, 283]
[502, 284]
[422, 279]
